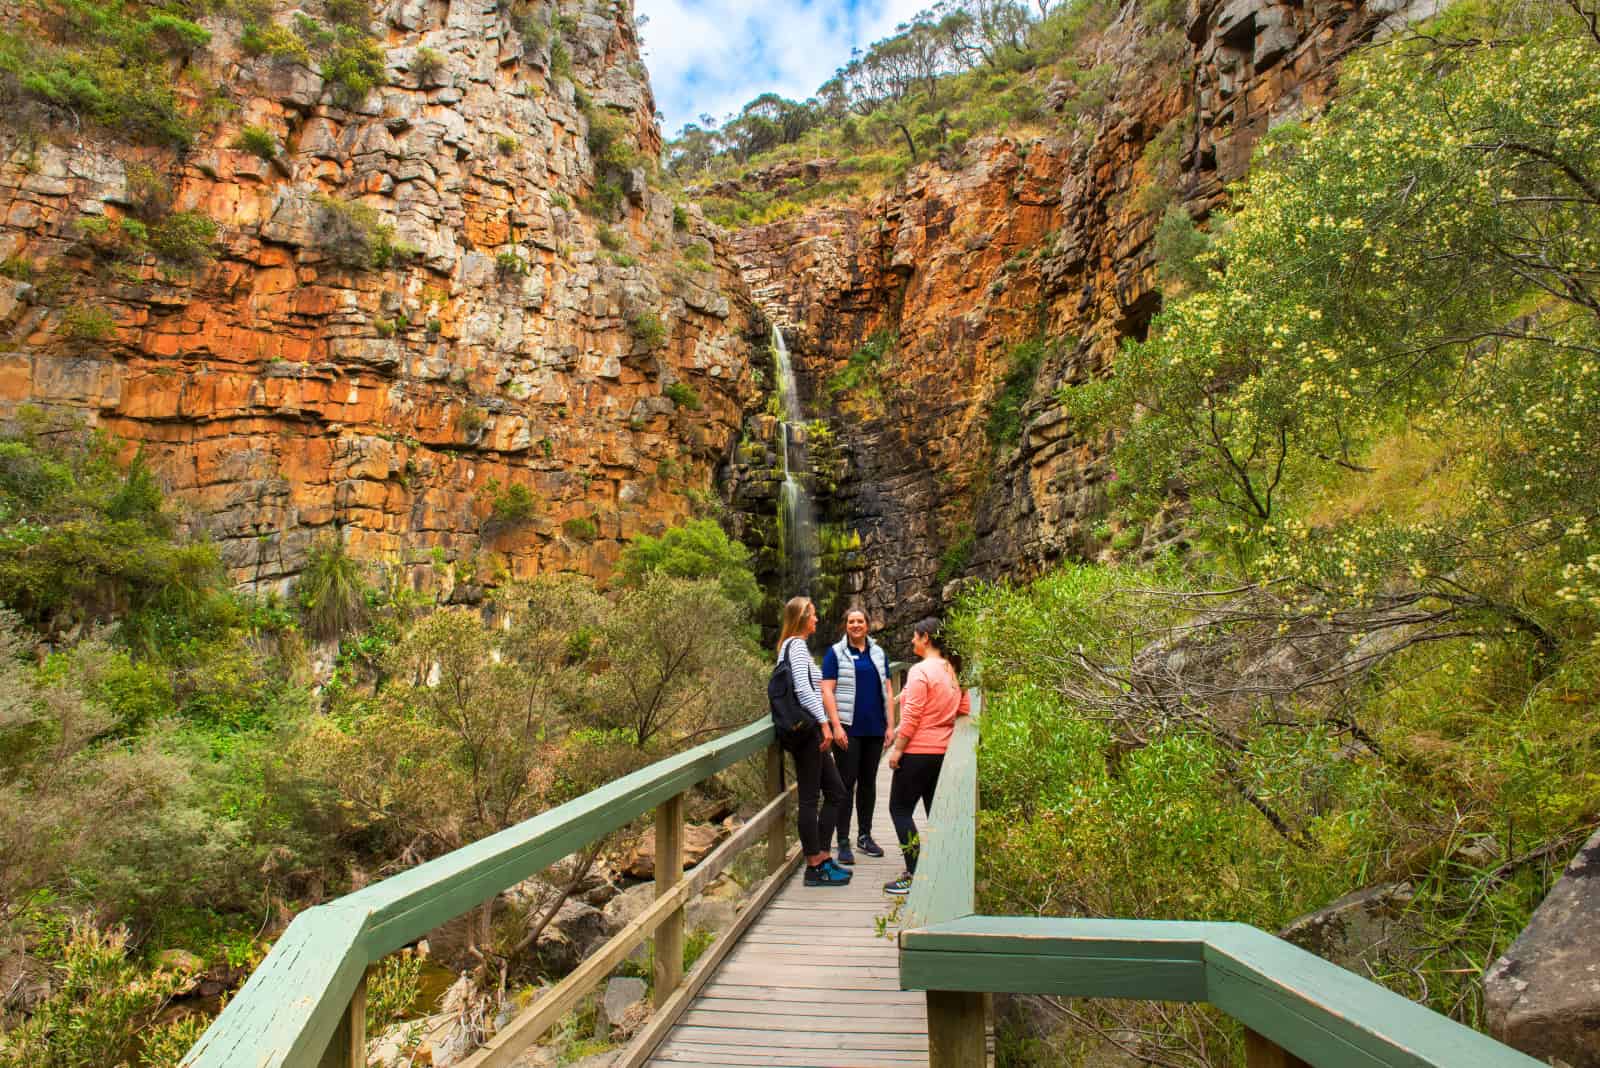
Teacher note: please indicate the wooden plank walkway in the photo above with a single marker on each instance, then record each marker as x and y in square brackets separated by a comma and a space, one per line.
[811, 984]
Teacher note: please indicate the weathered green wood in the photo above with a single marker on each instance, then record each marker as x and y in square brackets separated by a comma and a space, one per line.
[290, 1008]
[1315, 1010]
[943, 888]
[409, 905]
[1143, 978]
[287, 1012]
[1326, 1015]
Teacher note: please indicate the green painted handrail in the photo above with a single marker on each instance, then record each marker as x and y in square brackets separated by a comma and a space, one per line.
[1318, 1011]
[288, 1011]
[943, 888]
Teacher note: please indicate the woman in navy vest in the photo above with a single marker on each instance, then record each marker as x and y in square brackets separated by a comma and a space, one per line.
[855, 689]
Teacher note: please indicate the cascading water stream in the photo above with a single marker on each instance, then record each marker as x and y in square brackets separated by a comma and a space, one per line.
[798, 520]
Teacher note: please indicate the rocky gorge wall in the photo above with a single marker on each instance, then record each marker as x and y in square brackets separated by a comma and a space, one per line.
[1007, 241]
[282, 392]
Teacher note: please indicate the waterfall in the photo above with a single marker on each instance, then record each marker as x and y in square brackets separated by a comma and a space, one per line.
[797, 520]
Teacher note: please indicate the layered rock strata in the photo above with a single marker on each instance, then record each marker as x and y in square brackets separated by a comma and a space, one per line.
[285, 387]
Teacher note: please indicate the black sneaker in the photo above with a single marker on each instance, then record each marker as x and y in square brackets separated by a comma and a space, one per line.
[826, 874]
[868, 846]
[899, 887]
[844, 856]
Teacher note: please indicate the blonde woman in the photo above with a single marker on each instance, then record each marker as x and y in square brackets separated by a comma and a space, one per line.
[814, 770]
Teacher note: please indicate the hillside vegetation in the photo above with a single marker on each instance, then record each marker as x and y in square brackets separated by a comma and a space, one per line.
[957, 70]
[177, 778]
[1374, 405]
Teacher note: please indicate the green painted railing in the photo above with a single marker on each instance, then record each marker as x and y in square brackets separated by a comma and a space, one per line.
[1297, 1007]
[296, 1008]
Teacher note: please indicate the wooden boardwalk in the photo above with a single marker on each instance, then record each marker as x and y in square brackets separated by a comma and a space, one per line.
[811, 983]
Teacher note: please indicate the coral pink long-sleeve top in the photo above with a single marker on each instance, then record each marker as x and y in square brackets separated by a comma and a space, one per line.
[929, 705]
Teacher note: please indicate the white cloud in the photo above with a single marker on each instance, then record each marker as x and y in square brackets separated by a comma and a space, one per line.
[713, 56]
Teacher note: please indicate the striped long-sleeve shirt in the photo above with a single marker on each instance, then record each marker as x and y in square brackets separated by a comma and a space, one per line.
[807, 678]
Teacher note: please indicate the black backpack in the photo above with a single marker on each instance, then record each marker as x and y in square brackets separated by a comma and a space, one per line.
[789, 716]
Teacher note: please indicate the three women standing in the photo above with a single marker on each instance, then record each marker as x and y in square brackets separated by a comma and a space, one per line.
[814, 769]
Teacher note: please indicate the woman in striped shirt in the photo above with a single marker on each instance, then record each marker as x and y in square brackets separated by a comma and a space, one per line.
[814, 769]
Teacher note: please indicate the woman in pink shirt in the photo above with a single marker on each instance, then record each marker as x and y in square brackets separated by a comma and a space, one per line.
[929, 704]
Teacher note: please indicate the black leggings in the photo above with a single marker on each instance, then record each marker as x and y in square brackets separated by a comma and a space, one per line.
[914, 780]
[858, 770]
[814, 772]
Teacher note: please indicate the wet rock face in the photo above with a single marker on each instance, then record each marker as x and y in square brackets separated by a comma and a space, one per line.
[287, 386]
[1543, 996]
[1009, 241]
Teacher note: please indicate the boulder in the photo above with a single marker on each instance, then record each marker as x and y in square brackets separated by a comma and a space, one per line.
[1357, 929]
[1543, 995]
[626, 906]
[620, 1005]
[572, 935]
[698, 840]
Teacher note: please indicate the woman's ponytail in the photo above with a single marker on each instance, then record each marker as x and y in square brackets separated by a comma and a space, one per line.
[933, 630]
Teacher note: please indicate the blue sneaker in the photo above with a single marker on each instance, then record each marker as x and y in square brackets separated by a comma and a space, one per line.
[844, 855]
[831, 863]
[898, 887]
[868, 846]
[826, 874]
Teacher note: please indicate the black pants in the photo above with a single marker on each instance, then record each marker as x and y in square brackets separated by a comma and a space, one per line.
[914, 780]
[858, 770]
[815, 773]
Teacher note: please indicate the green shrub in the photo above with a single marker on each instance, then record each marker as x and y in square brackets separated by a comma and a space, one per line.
[257, 140]
[332, 590]
[957, 555]
[353, 68]
[82, 322]
[427, 64]
[270, 39]
[107, 65]
[683, 395]
[698, 549]
[393, 992]
[506, 144]
[1004, 423]
[354, 235]
[353, 13]
[609, 238]
[603, 200]
[648, 329]
[98, 1013]
[680, 217]
[580, 528]
[512, 503]
[860, 382]
[184, 237]
[510, 264]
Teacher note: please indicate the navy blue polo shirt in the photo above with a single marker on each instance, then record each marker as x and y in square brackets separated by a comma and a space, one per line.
[869, 720]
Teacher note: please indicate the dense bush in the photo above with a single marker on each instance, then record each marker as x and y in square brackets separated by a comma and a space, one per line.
[112, 63]
[1368, 393]
[698, 549]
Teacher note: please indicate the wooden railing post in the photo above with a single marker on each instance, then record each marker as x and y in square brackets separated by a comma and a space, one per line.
[956, 1035]
[777, 841]
[669, 870]
[1262, 1052]
[348, 1047]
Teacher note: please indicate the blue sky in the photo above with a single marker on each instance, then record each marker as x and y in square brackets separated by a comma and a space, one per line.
[714, 55]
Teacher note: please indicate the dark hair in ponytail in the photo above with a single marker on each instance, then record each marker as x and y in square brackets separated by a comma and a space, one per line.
[933, 630]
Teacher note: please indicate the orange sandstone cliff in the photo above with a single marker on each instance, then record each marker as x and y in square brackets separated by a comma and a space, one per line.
[284, 387]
